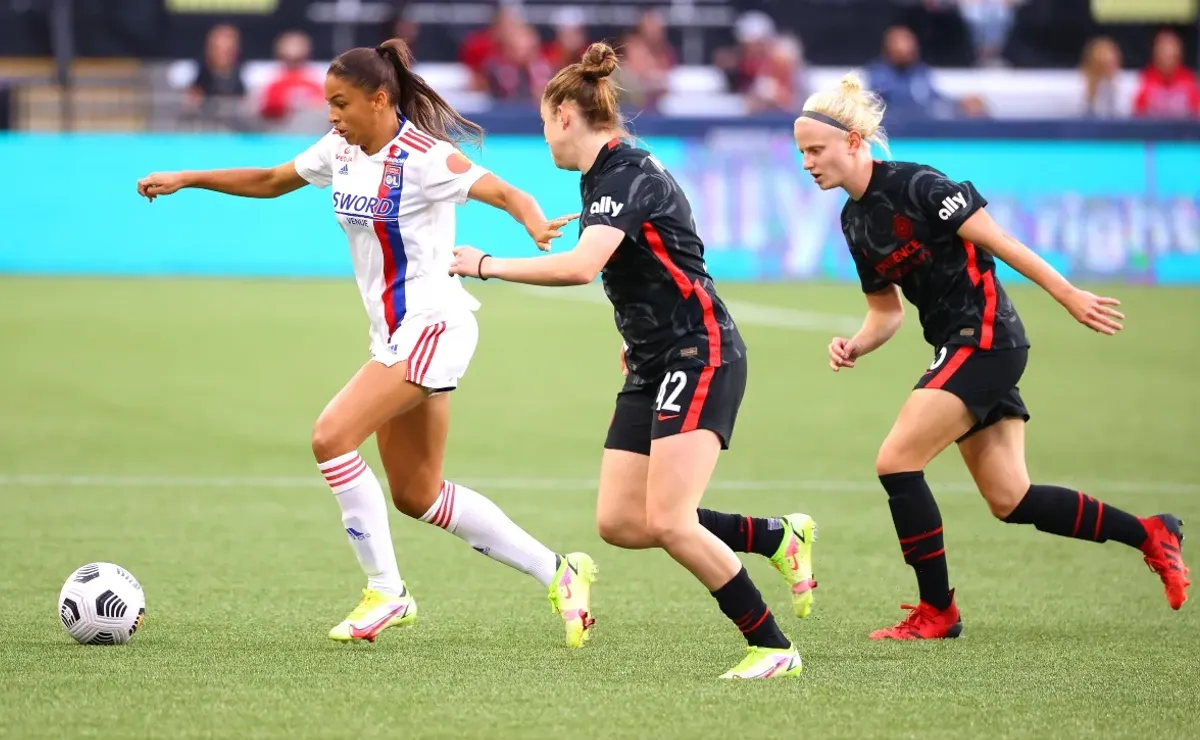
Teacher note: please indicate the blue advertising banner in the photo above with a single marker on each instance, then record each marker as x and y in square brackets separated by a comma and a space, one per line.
[1117, 210]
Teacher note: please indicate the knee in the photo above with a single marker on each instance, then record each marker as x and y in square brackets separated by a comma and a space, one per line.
[328, 441]
[666, 530]
[413, 494]
[1002, 500]
[890, 459]
[621, 531]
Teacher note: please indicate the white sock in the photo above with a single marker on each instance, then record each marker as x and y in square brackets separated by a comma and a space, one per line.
[474, 518]
[365, 518]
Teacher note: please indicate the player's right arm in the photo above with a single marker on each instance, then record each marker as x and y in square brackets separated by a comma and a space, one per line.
[312, 166]
[248, 182]
[885, 314]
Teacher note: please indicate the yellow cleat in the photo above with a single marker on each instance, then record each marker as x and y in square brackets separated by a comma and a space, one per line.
[794, 561]
[767, 663]
[571, 596]
[376, 612]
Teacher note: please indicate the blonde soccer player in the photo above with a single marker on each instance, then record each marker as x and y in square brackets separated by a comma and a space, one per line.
[916, 234]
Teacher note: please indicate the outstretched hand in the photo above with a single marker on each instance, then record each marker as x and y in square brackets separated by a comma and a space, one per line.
[1095, 312]
[543, 233]
[159, 183]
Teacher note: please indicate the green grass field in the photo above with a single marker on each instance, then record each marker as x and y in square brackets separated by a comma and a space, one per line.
[164, 426]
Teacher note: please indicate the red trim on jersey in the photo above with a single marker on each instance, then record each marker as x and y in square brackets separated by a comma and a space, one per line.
[389, 259]
[988, 279]
[420, 137]
[989, 311]
[413, 143]
[614, 142]
[711, 326]
[960, 356]
[692, 420]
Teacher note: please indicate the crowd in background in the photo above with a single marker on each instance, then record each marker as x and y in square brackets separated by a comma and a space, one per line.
[511, 61]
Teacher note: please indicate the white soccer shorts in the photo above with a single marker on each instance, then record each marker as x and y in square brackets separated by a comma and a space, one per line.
[438, 352]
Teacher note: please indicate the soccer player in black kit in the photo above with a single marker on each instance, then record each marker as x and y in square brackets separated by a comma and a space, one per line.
[913, 231]
[686, 364]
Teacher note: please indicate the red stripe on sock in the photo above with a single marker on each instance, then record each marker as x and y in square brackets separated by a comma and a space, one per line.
[744, 619]
[446, 512]
[766, 613]
[1078, 516]
[347, 476]
[337, 469]
[1099, 516]
[918, 538]
[749, 534]
[932, 555]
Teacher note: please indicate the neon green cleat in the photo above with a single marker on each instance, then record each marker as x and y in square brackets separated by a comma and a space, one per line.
[794, 560]
[376, 612]
[571, 596]
[763, 662]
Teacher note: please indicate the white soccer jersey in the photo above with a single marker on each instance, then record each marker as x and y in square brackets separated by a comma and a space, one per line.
[397, 209]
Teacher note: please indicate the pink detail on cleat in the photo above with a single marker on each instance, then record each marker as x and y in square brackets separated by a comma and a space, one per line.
[803, 587]
[372, 630]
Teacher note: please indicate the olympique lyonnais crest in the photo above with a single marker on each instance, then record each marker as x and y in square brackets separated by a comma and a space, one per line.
[902, 227]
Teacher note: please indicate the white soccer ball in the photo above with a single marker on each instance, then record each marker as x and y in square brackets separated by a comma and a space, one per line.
[101, 604]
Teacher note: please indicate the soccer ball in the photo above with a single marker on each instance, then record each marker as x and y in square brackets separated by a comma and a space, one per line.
[101, 604]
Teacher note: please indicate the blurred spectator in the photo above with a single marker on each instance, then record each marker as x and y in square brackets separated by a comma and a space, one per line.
[219, 76]
[906, 83]
[1100, 66]
[989, 22]
[641, 76]
[1167, 89]
[651, 29]
[517, 70]
[400, 25]
[295, 87]
[482, 45]
[742, 64]
[777, 86]
[570, 39]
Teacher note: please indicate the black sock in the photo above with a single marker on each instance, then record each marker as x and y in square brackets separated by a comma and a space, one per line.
[919, 528]
[744, 533]
[1068, 513]
[743, 604]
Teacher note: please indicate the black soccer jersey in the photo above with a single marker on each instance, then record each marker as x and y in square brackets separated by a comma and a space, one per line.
[904, 230]
[663, 298]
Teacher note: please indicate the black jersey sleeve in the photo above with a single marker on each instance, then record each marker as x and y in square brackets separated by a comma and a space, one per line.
[625, 197]
[872, 282]
[946, 203]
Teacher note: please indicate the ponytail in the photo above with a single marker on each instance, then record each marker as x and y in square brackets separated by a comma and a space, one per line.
[389, 67]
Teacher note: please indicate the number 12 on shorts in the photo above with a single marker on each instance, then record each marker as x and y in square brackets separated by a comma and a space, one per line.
[668, 394]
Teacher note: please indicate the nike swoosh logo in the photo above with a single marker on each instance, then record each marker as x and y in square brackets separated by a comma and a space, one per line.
[667, 418]
[395, 611]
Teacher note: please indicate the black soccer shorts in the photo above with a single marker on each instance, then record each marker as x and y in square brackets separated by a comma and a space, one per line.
[985, 380]
[680, 401]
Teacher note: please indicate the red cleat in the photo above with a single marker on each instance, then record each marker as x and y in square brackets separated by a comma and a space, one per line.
[1163, 551]
[924, 622]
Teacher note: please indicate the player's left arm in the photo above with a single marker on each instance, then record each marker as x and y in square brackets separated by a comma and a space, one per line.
[517, 203]
[1095, 312]
[578, 267]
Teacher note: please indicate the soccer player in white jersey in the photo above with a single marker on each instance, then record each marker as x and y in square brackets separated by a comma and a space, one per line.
[396, 179]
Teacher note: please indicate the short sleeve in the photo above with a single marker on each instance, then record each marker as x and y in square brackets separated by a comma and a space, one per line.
[945, 203]
[315, 164]
[624, 198]
[440, 182]
[872, 282]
